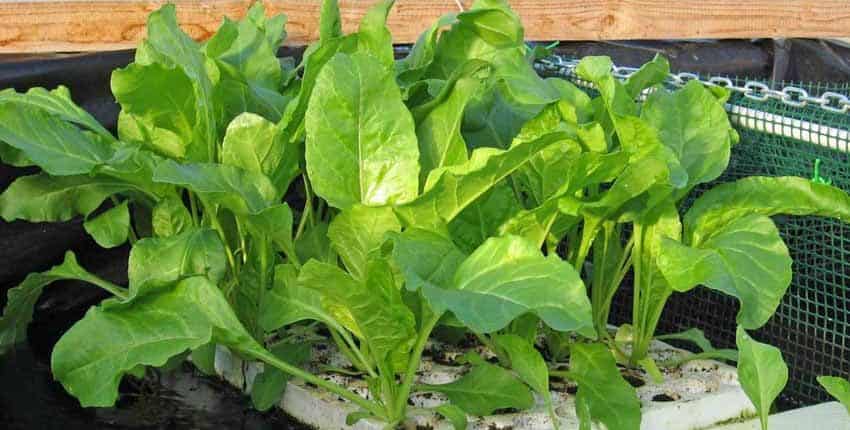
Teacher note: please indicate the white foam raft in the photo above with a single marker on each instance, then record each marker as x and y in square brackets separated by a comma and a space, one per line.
[696, 395]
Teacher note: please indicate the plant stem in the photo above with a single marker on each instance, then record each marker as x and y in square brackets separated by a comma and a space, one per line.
[308, 208]
[267, 357]
[413, 366]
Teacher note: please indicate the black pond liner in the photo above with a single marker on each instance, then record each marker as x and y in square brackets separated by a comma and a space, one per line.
[181, 398]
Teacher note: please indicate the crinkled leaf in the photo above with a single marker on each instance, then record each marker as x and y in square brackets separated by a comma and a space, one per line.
[761, 371]
[41, 197]
[110, 228]
[170, 217]
[602, 389]
[746, 259]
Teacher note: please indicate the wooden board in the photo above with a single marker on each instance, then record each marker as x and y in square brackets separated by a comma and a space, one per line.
[96, 25]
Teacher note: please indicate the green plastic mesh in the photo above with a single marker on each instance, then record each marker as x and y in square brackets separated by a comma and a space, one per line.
[812, 325]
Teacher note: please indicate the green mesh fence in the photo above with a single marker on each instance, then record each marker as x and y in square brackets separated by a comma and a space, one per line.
[812, 325]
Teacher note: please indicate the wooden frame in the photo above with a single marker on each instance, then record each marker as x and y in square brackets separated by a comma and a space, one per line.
[97, 25]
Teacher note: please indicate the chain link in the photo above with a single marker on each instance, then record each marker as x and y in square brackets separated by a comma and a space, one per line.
[753, 90]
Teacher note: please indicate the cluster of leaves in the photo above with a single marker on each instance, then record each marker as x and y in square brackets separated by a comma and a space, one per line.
[435, 190]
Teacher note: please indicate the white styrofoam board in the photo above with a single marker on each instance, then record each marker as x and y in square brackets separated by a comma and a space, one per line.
[826, 416]
[706, 392]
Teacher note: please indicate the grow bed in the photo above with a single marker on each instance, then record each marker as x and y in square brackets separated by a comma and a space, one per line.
[695, 395]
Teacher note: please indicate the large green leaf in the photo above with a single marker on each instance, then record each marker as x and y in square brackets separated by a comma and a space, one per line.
[361, 144]
[58, 147]
[761, 371]
[358, 232]
[762, 195]
[451, 189]
[165, 260]
[528, 364]
[694, 124]
[41, 197]
[507, 277]
[746, 259]
[837, 387]
[602, 389]
[255, 144]
[486, 388]
[410, 69]
[111, 228]
[55, 102]
[241, 191]
[116, 337]
[21, 300]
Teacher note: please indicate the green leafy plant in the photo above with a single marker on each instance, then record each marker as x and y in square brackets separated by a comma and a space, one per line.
[379, 199]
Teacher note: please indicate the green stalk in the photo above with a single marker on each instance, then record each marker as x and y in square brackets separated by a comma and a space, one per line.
[269, 358]
[413, 366]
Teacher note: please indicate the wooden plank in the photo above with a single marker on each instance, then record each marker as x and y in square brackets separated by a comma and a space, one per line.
[94, 25]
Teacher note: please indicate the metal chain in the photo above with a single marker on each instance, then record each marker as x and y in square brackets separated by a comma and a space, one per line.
[753, 90]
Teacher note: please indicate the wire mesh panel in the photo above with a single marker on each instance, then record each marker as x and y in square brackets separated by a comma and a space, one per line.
[785, 129]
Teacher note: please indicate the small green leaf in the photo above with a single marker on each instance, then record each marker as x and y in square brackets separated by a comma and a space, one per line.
[602, 389]
[290, 301]
[486, 388]
[528, 364]
[111, 228]
[482, 219]
[275, 223]
[358, 232]
[693, 335]
[170, 217]
[762, 372]
[41, 197]
[165, 260]
[648, 364]
[314, 243]
[454, 414]
[21, 300]
[56, 102]
[269, 385]
[839, 388]
[255, 144]
[373, 36]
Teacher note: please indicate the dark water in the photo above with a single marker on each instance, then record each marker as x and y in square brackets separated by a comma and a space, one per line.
[177, 399]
